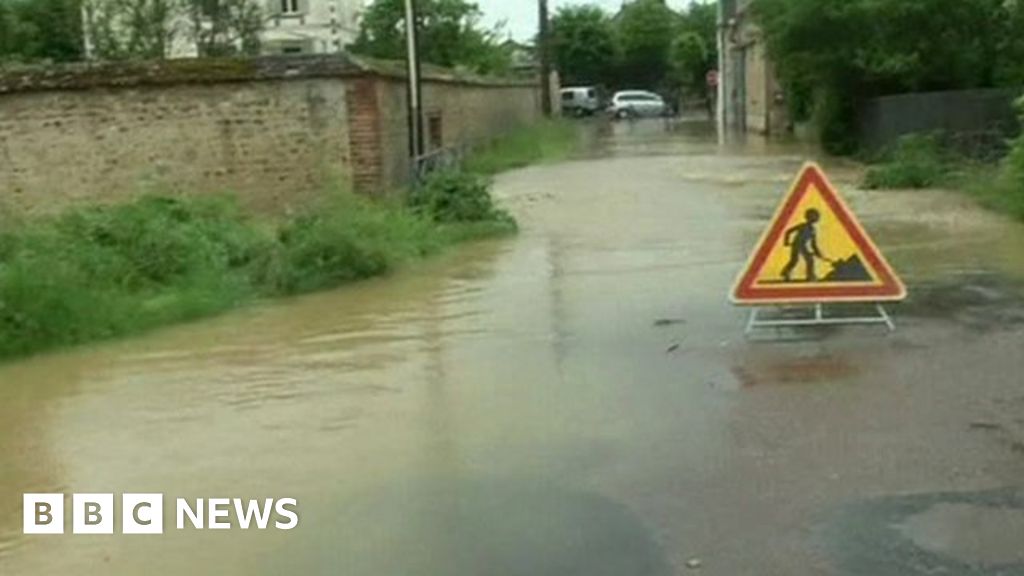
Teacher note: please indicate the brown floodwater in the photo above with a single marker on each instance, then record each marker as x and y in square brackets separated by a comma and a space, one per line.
[575, 400]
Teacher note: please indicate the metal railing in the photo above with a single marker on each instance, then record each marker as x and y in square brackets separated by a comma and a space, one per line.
[448, 158]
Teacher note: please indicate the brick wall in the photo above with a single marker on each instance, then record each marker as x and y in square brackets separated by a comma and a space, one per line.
[275, 131]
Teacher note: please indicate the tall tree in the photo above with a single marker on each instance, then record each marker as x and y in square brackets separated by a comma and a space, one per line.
[123, 29]
[41, 30]
[646, 31]
[831, 55]
[695, 49]
[7, 30]
[225, 27]
[584, 45]
[450, 35]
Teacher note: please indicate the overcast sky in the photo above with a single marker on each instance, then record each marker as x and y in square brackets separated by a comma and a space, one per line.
[521, 15]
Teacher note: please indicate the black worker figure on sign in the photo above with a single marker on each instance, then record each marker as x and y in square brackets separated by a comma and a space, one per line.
[802, 240]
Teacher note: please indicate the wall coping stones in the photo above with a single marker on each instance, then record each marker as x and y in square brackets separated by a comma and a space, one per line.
[92, 75]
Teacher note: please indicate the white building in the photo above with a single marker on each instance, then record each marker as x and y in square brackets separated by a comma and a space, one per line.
[310, 26]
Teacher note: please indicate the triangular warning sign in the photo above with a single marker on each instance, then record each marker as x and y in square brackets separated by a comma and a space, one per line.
[815, 251]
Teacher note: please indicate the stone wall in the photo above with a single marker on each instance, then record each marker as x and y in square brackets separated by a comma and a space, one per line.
[455, 115]
[270, 141]
[276, 131]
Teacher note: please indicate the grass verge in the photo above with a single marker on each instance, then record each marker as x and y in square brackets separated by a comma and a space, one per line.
[102, 272]
[547, 141]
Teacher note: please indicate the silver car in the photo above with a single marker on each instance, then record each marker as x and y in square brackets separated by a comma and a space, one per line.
[637, 104]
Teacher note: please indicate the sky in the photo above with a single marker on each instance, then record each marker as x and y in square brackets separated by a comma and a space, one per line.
[521, 15]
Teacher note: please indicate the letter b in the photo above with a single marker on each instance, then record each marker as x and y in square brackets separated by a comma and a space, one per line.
[43, 514]
[92, 513]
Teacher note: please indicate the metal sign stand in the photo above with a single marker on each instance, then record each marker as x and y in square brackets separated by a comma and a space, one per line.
[819, 319]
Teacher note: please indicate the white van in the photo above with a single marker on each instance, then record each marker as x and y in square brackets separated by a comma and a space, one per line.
[580, 101]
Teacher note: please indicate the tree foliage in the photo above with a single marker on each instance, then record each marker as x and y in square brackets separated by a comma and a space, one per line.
[584, 45]
[225, 27]
[40, 30]
[55, 30]
[645, 45]
[646, 29]
[450, 34]
[831, 55]
[695, 49]
[123, 29]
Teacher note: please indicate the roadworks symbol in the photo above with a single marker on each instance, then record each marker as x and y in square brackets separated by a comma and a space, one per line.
[815, 251]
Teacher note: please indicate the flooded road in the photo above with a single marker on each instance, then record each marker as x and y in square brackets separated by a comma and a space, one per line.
[575, 400]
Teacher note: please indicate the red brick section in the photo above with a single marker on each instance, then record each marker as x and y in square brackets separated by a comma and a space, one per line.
[365, 136]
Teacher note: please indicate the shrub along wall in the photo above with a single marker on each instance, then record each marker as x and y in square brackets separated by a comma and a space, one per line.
[274, 130]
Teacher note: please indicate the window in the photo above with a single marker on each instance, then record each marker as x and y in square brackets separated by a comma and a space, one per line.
[435, 127]
[290, 6]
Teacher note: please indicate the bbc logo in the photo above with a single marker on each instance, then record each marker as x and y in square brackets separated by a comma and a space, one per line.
[144, 513]
[93, 514]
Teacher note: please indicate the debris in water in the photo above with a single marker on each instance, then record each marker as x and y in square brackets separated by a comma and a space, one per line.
[664, 322]
[673, 348]
[694, 563]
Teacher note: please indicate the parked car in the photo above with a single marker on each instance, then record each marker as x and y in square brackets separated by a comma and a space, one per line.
[580, 101]
[637, 104]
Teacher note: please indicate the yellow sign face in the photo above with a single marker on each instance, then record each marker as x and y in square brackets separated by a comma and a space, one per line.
[815, 251]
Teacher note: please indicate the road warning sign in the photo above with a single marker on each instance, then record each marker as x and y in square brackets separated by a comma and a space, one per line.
[815, 251]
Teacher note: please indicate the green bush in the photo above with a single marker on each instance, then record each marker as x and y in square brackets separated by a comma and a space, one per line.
[349, 239]
[455, 196]
[1004, 191]
[915, 161]
[1013, 165]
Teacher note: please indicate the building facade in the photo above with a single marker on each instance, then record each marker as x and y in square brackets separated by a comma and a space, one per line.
[310, 26]
[750, 96]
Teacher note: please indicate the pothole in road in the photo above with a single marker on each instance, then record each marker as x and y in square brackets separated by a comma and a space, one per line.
[969, 533]
[962, 533]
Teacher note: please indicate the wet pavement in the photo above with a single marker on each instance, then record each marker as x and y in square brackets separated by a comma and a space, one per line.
[575, 400]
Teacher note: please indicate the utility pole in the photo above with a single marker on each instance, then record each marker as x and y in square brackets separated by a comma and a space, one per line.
[724, 72]
[544, 53]
[415, 93]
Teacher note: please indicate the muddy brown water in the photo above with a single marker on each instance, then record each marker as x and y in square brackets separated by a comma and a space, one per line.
[510, 408]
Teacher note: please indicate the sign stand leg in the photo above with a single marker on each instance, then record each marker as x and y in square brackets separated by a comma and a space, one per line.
[751, 322]
[886, 318]
[818, 318]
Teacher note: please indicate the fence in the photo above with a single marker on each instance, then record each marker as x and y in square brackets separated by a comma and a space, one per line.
[977, 121]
